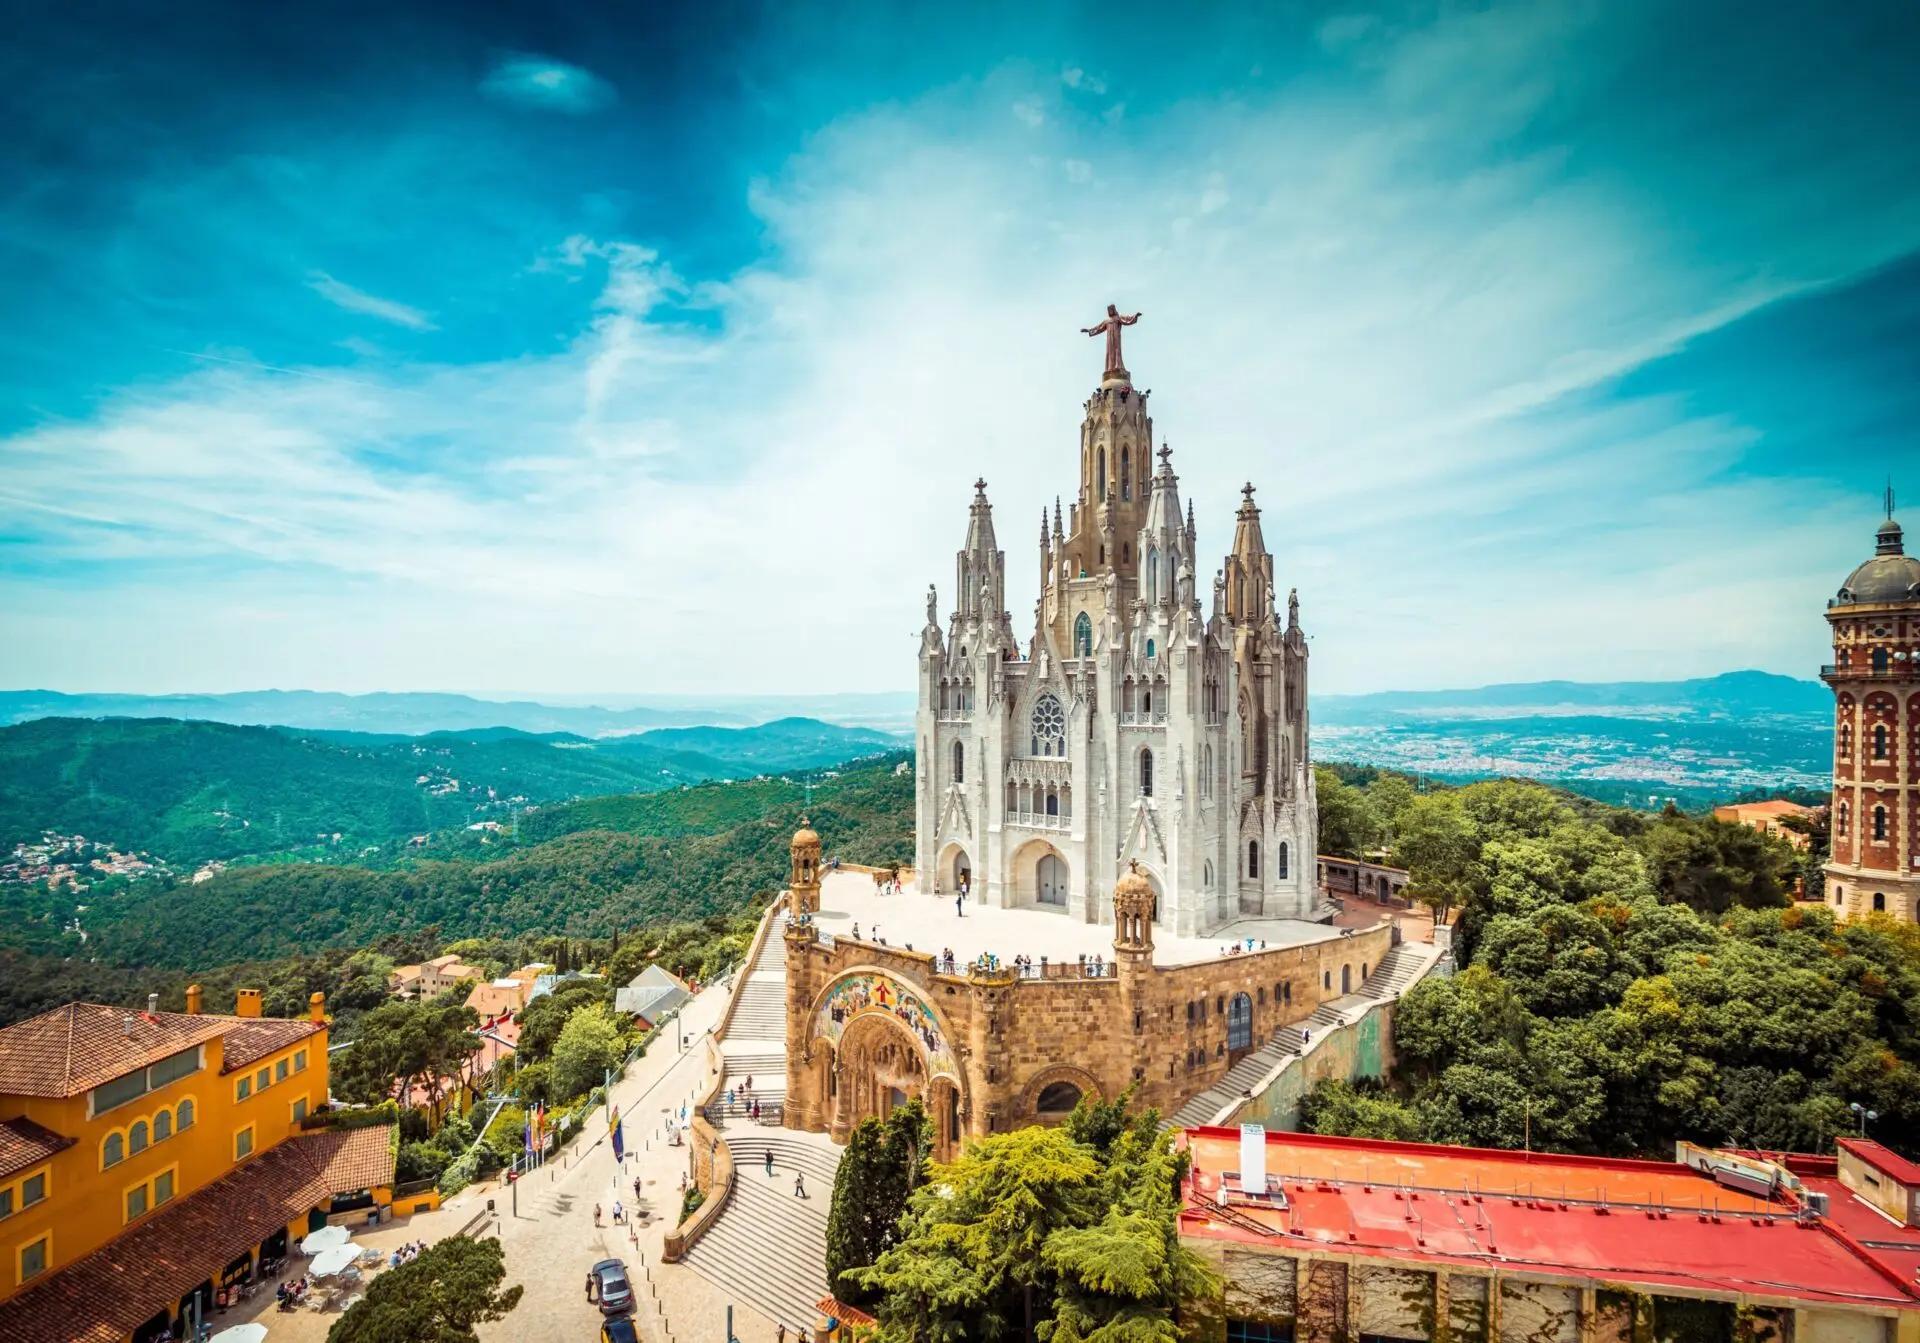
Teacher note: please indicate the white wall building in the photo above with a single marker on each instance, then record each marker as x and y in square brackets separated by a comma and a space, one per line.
[1135, 724]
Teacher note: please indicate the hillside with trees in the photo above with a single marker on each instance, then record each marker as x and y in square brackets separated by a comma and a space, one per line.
[1626, 980]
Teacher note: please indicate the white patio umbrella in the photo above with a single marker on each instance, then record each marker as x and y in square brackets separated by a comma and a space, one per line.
[326, 1238]
[329, 1262]
[240, 1333]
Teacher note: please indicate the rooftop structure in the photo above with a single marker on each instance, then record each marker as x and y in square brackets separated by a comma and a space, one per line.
[1776, 1233]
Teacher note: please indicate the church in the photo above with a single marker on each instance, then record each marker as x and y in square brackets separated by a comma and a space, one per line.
[1135, 725]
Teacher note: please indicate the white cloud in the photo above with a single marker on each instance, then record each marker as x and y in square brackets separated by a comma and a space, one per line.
[1080, 81]
[343, 295]
[1031, 112]
[1388, 333]
[1078, 170]
[546, 83]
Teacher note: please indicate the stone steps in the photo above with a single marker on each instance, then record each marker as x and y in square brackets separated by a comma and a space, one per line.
[768, 1248]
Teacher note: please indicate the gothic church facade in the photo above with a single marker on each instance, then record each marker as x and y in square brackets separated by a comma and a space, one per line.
[1135, 724]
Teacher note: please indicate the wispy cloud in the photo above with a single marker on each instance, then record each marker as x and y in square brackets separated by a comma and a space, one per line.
[543, 82]
[343, 295]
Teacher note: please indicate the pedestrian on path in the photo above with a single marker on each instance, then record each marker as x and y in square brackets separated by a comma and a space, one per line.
[769, 1161]
[781, 1337]
[799, 1181]
[959, 906]
[596, 1214]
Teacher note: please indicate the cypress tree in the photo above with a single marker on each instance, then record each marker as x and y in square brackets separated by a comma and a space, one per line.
[883, 1165]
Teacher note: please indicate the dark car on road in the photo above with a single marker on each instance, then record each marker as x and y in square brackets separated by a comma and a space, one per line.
[607, 1283]
[619, 1331]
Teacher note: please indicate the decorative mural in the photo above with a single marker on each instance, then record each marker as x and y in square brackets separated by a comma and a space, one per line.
[867, 993]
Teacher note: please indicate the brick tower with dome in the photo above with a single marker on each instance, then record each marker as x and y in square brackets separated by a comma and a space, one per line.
[1875, 675]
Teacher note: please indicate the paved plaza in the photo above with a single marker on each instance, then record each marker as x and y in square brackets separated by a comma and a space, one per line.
[930, 923]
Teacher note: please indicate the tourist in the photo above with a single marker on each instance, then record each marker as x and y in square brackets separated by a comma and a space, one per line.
[729, 1098]
[769, 1163]
[799, 1185]
[960, 905]
[856, 932]
[636, 1189]
[619, 1212]
[596, 1214]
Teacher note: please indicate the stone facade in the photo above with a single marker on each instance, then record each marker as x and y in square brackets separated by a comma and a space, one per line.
[1134, 726]
[1875, 675]
[989, 1050]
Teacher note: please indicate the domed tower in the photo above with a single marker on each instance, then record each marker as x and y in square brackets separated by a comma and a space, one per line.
[1133, 918]
[804, 880]
[1875, 675]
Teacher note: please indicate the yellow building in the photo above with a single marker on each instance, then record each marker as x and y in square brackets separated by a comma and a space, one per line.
[148, 1158]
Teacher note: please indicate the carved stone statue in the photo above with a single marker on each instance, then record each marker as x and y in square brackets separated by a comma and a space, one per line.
[933, 601]
[1111, 326]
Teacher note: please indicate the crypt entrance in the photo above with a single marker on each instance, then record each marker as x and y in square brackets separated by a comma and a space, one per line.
[879, 1066]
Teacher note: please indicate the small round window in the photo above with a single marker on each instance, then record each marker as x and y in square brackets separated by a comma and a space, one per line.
[1049, 724]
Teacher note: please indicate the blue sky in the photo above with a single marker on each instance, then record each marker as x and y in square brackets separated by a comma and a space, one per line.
[576, 349]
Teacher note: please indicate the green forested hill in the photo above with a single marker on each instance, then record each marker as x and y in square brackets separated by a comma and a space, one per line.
[192, 791]
[583, 868]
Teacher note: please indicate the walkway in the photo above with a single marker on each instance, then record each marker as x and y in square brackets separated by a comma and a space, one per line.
[929, 923]
[768, 1248]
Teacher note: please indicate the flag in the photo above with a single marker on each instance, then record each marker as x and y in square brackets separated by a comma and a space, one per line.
[526, 1136]
[619, 1142]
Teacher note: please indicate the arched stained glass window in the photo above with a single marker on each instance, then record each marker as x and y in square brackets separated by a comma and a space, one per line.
[1049, 726]
[1253, 858]
[1083, 636]
[1146, 773]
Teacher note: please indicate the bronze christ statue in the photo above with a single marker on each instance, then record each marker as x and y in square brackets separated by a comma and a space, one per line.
[1111, 326]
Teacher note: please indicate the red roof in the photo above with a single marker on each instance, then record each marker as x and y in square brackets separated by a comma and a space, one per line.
[25, 1144]
[1884, 1159]
[1656, 1223]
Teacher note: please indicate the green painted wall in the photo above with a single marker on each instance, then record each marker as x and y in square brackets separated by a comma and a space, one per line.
[1363, 1048]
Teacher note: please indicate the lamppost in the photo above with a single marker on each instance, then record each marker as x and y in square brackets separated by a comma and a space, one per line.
[1864, 1115]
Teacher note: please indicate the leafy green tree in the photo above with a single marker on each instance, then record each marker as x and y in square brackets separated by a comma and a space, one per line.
[399, 1044]
[439, 1297]
[589, 1044]
[1439, 844]
[1358, 1110]
[1714, 866]
[1350, 825]
[542, 1020]
[883, 1164]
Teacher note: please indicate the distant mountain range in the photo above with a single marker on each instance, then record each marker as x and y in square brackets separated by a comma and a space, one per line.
[191, 792]
[415, 712]
[1640, 743]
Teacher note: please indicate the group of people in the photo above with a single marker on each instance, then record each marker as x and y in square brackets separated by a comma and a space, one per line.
[1245, 945]
[745, 1098]
[292, 1293]
[619, 1212]
[407, 1253]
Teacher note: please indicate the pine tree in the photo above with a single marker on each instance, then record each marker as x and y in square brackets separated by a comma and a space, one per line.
[883, 1165]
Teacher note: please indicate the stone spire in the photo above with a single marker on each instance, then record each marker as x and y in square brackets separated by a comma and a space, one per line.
[980, 568]
[1249, 567]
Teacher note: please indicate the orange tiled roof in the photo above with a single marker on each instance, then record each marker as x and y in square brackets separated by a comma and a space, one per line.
[253, 1038]
[24, 1143]
[352, 1159]
[111, 1292]
[75, 1048]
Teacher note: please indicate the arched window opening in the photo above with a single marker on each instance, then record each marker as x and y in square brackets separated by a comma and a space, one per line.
[1053, 803]
[959, 762]
[1083, 636]
[184, 1115]
[1846, 738]
[1880, 823]
[1206, 875]
[1057, 1098]
[1126, 471]
[1880, 900]
[1146, 773]
[1879, 741]
[1253, 858]
[1240, 1023]
[162, 1126]
[113, 1151]
[1100, 474]
[137, 1137]
[1280, 862]
[1153, 576]
[1840, 819]
[1146, 700]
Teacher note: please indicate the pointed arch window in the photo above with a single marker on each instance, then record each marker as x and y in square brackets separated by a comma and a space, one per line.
[1100, 475]
[1083, 636]
[1153, 575]
[1253, 859]
[959, 762]
[1126, 471]
[1280, 862]
[1149, 648]
[1146, 773]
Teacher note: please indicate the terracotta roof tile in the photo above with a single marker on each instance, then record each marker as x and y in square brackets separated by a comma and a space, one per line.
[112, 1291]
[24, 1143]
[352, 1159]
[77, 1047]
[253, 1038]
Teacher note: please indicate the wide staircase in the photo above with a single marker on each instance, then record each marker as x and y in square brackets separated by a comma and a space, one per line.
[1231, 1089]
[768, 1248]
[1397, 969]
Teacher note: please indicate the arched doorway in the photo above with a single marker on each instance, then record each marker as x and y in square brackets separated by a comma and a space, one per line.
[1056, 1101]
[1239, 1025]
[1040, 876]
[880, 1068]
[955, 870]
[1051, 880]
[1346, 979]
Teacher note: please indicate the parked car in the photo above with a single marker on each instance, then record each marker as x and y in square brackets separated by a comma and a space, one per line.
[607, 1284]
[619, 1331]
